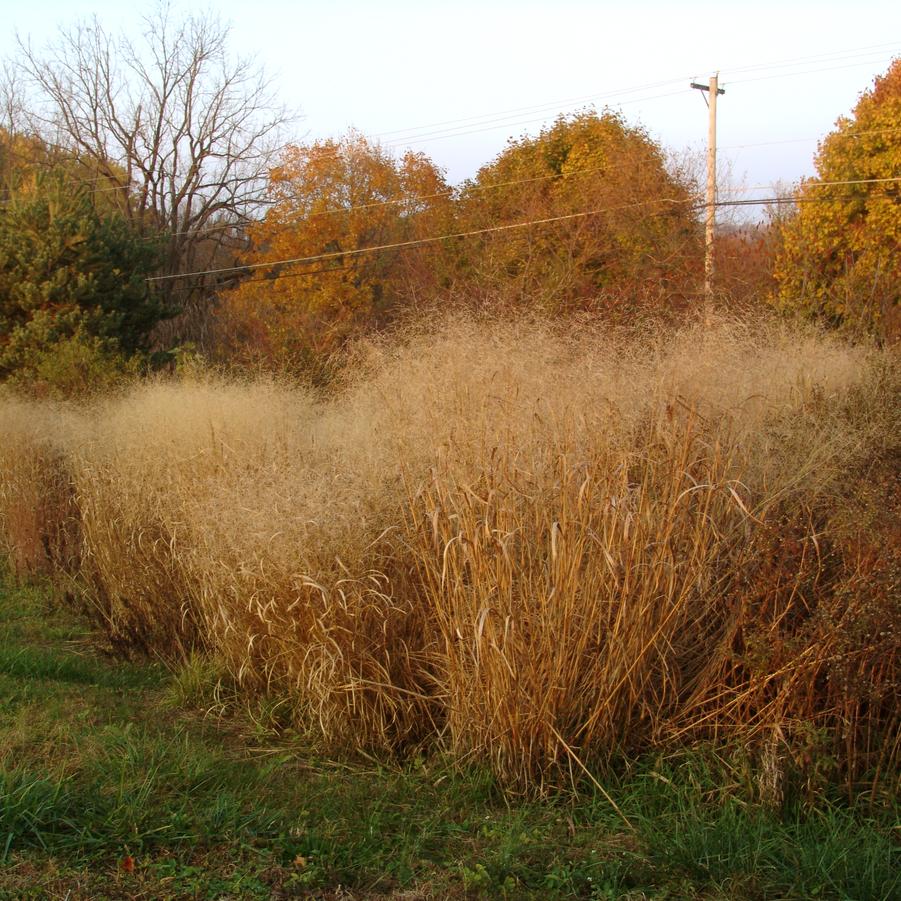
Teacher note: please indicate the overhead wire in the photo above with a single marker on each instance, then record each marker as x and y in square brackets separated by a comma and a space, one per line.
[484, 122]
[521, 181]
[832, 56]
[728, 203]
[452, 191]
[827, 56]
[516, 112]
[762, 201]
[415, 198]
[503, 118]
[441, 135]
[845, 134]
[819, 184]
[277, 276]
[506, 123]
[881, 61]
[418, 242]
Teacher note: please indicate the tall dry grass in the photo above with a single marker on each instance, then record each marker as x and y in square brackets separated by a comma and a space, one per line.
[38, 519]
[541, 545]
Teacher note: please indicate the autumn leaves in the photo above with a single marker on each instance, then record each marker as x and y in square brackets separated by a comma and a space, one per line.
[585, 215]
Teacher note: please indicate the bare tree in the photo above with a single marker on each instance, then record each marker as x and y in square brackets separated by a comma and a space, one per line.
[11, 108]
[12, 104]
[180, 131]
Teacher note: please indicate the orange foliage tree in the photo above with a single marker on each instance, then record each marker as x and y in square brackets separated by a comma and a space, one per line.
[841, 256]
[641, 238]
[329, 201]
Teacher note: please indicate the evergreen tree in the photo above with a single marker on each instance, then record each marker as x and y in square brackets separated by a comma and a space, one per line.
[70, 273]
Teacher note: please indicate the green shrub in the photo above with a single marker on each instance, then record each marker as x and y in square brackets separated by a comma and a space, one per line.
[56, 356]
[75, 304]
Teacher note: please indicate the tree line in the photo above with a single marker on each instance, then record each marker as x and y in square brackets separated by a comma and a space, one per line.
[150, 197]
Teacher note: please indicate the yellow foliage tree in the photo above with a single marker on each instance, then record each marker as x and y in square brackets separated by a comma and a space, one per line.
[841, 251]
[640, 238]
[331, 199]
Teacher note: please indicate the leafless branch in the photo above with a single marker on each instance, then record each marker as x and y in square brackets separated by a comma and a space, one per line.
[183, 132]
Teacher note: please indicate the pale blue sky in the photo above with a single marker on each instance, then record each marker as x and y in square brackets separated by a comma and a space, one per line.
[397, 65]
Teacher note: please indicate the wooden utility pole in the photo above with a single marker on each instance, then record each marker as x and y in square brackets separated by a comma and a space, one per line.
[713, 89]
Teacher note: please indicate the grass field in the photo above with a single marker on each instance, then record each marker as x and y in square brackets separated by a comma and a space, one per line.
[116, 782]
[511, 608]
[539, 546]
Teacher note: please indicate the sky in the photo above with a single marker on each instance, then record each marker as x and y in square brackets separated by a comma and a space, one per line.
[400, 71]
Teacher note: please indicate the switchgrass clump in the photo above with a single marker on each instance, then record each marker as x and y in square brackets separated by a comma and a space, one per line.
[540, 545]
[151, 459]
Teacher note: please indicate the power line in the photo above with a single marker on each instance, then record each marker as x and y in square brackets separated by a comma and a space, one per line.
[523, 110]
[457, 133]
[846, 134]
[492, 121]
[724, 203]
[484, 119]
[419, 242]
[759, 201]
[481, 119]
[471, 187]
[450, 192]
[514, 113]
[821, 184]
[325, 270]
[881, 61]
[522, 181]
[441, 135]
[849, 181]
[416, 198]
[831, 56]
[504, 118]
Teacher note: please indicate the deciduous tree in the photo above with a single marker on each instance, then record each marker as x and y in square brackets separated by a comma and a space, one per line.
[180, 132]
[841, 257]
[335, 198]
[638, 236]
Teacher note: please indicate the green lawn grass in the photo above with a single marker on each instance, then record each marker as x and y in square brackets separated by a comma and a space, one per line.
[116, 782]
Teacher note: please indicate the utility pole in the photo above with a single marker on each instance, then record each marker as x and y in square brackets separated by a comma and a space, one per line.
[712, 89]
